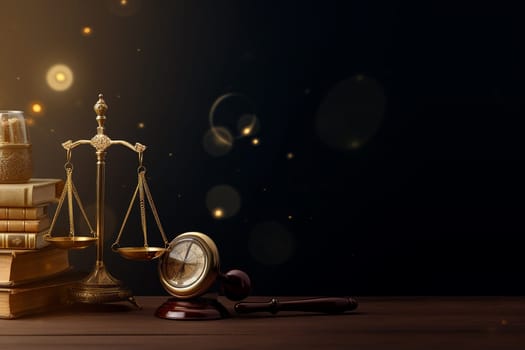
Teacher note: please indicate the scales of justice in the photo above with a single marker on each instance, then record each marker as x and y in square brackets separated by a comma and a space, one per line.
[100, 286]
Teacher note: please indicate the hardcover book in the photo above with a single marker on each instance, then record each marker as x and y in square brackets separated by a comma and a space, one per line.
[24, 266]
[23, 240]
[30, 194]
[25, 225]
[50, 295]
[24, 213]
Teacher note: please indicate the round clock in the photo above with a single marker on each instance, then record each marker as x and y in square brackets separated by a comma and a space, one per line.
[190, 266]
[187, 270]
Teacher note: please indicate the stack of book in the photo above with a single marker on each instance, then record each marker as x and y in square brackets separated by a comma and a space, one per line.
[34, 276]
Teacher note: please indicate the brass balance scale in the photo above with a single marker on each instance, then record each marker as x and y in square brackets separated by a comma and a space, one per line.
[100, 286]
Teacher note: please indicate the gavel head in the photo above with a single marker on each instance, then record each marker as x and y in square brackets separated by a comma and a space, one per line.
[235, 284]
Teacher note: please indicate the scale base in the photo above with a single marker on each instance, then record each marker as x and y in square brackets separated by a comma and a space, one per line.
[192, 309]
[100, 287]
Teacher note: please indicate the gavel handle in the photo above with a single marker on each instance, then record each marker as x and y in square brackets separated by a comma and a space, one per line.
[326, 305]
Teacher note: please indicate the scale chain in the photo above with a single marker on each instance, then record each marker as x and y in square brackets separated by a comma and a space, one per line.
[155, 213]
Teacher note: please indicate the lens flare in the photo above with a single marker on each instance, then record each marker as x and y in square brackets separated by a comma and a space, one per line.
[59, 77]
[248, 124]
[223, 201]
[217, 141]
[229, 112]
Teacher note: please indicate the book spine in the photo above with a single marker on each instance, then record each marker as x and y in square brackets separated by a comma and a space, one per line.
[24, 225]
[16, 197]
[22, 240]
[28, 213]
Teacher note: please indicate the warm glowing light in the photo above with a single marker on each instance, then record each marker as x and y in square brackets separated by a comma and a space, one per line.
[30, 121]
[123, 2]
[223, 201]
[87, 31]
[290, 217]
[141, 125]
[218, 213]
[289, 155]
[217, 141]
[36, 108]
[59, 77]
[255, 141]
[248, 124]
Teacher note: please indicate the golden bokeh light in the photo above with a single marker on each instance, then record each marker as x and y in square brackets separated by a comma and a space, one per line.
[289, 155]
[218, 213]
[30, 121]
[223, 201]
[255, 141]
[123, 8]
[36, 108]
[217, 141]
[248, 124]
[87, 31]
[141, 125]
[59, 77]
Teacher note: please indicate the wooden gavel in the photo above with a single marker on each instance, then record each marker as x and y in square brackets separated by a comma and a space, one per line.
[330, 305]
[236, 286]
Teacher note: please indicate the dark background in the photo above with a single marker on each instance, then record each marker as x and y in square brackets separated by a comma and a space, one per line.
[424, 198]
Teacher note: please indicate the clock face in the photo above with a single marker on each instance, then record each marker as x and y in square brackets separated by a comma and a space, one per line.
[190, 266]
[186, 263]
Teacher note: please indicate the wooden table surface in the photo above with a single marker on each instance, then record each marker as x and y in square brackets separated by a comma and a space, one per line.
[378, 323]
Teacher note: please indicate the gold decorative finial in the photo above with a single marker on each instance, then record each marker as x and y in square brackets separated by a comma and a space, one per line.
[100, 108]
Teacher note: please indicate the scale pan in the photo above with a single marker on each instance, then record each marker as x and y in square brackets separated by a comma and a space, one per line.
[74, 242]
[141, 253]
